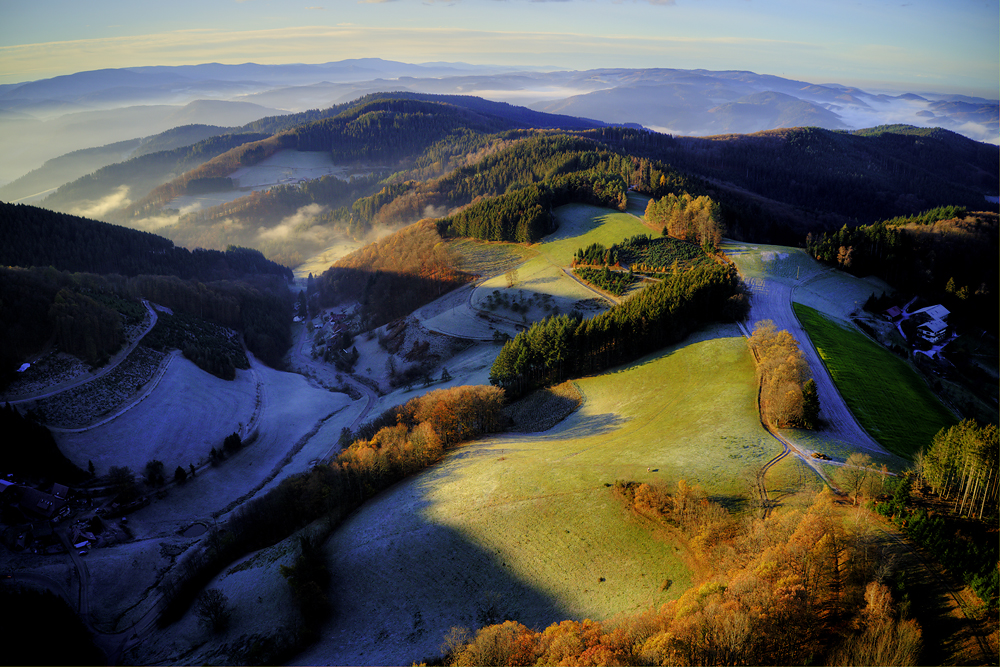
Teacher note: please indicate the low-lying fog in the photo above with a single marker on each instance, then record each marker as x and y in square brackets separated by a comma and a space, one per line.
[41, 120]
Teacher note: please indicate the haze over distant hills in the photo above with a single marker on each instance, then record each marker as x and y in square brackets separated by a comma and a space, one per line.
[43, 119]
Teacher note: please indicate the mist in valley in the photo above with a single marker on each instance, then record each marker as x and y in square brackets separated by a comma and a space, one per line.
[86, 121]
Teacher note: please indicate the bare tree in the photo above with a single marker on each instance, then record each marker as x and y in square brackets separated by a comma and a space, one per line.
[857, 469]
[213, 610]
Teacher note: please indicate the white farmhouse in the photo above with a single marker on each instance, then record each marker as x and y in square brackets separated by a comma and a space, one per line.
[932, 323]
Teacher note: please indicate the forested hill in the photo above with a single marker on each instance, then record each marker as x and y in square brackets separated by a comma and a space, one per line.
[513, 116]
[35, 236]
[143, 173]
[67, 168]
[388, 130]
[833, 177]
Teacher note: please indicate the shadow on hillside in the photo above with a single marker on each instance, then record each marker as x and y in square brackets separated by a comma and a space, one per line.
[401, 582]
[583, 426]
[733, 503]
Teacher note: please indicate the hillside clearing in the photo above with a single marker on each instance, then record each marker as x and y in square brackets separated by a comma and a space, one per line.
[526, 526]
[579, 226]
[886, 396]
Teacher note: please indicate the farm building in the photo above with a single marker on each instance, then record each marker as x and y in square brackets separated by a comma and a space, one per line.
[933, 323]
[40, 503]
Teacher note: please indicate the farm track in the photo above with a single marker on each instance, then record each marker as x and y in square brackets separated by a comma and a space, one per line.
[771, 299]
[614, 301]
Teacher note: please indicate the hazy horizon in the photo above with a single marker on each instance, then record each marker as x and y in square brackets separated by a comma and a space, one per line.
[920, 46]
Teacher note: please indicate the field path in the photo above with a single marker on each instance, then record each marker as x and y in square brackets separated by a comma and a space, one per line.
[119, 357]
[613, 300]
[771, 299]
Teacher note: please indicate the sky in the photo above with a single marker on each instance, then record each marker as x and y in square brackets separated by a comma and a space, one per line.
[913, 45]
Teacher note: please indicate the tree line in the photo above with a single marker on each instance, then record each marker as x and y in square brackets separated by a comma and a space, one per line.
[788, 397]
[948, 259]
[85, 315]
[961, 465]
[401, 441]
[562, 347]
[646, 254]
[38, 237]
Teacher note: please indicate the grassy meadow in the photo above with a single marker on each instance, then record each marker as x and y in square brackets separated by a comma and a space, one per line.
[886, 396]
[528, 525]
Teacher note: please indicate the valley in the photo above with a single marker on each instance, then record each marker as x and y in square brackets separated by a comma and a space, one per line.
[688, 413]
[446, 429]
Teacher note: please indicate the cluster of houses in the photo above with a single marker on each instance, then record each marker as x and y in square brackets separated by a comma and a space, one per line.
[332, 325]
[32, 516]
[35, 510]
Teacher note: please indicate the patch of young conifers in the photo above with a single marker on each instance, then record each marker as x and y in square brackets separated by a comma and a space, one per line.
[799, 587]
[788, 395]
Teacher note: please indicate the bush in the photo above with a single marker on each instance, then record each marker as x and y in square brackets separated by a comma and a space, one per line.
[213, 610]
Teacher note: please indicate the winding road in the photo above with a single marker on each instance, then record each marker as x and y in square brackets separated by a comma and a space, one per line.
[90, 376]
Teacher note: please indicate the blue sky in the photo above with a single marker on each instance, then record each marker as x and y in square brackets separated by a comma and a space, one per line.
[917, 45]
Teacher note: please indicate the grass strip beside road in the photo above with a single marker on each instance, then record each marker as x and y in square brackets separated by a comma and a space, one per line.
[887, 397]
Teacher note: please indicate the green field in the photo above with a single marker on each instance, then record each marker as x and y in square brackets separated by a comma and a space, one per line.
[579, 225]
[886, 396]
[543, 503]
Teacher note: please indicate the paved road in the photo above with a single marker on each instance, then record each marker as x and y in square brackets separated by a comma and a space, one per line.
[772, 300]
[119, 357]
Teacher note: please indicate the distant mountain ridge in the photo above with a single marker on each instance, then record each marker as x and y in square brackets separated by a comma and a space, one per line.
[43, 119]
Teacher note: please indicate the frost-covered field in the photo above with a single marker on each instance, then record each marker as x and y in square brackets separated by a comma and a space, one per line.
[190, 412]
[839, 294]
[526, 526]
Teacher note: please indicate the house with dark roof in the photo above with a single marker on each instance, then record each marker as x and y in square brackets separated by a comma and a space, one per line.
[40, 503]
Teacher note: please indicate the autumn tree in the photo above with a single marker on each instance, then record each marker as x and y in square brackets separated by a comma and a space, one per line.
[787, 392]
[856, 472]
[962, 465]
